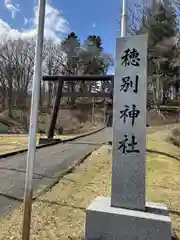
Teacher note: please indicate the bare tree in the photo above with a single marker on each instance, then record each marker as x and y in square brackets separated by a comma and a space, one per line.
[53, 64]
[7, 57]
[23, 73]
[16, 70]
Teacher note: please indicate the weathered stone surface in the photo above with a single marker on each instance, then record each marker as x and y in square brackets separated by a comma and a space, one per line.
[110, 223]
[129, 125]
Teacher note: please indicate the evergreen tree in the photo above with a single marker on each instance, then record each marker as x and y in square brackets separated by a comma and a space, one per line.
[70, 45]
[96, 40]
[161, 25]
[95, 63]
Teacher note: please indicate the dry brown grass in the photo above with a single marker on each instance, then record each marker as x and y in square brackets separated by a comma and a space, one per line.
[12, 143]
[175, 137]
[60, 213]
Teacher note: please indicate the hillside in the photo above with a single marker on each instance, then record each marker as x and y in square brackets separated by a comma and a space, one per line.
[77, 119]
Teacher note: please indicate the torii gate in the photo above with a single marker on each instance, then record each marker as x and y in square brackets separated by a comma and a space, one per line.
[61, 79]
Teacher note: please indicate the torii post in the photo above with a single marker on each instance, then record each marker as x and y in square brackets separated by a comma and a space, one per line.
[61, 79]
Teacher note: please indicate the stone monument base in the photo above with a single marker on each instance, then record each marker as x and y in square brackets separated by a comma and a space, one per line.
[109, 223]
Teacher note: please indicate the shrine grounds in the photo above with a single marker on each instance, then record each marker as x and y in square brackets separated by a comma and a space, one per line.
[60, 213]
[11, 143]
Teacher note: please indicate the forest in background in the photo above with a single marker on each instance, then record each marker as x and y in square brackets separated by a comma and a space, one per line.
[68, 57]
[161, 22]
[71, 57]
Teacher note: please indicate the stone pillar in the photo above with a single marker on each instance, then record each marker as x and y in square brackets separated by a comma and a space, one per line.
[126, 215]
